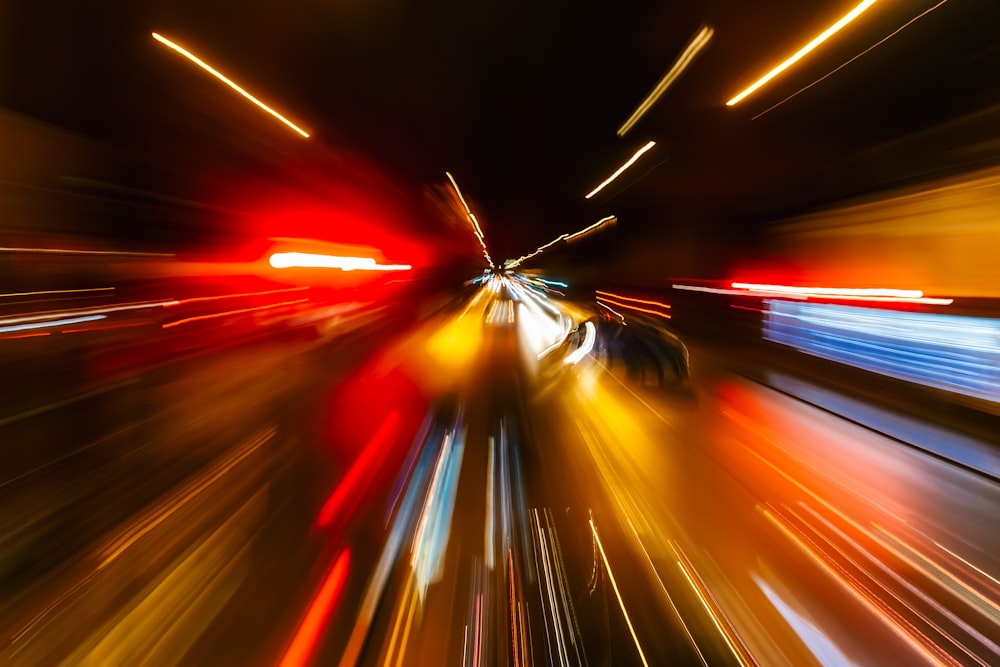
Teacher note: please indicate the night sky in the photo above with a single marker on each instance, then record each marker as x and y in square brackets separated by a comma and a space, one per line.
[520, 100]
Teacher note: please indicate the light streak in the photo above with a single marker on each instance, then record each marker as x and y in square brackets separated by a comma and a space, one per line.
[709, 608]
[239, 311]
[898, 625]
[221, 77]
[308, 635]
[589, 336]
[97, 310]
[57, 291]
[601, 302]
[308, 260]
[361, 472]
[621, 169]
[801, 53]
[64, 251]
[510, 264]
[614, 585]
[845, 64]
[50, 323]
[622, 297]
[216, 297]
[697, 43]
[476, 229]
[875, 294]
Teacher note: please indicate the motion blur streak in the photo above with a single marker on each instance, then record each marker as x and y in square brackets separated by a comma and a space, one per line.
[304, 642]
[70, 251]
[697, 43]
[216, 297]
[618, 172]
[801, 53]
[288, 260]
[221, 77]
[622, 297]
[950, 352]
[859, 55]
[238, 311]
[349, 490]
[50, 323]
[511, 264]
[58, 291]
[476, 229]
[849, 293]
[83, 312]
[614, 585]
[628, 306]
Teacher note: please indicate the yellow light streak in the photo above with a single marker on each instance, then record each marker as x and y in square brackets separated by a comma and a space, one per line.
[801, 53]
[621, 169]
[229, 82]
[614, 585]
[510, 264]
[476, 229]
[697, 43]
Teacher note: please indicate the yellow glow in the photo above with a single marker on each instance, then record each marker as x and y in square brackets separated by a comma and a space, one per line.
[622, 168]
[686, 58]
[221, 77]
[801, 53]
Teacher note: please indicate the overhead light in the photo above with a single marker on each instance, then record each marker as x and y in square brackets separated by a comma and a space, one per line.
[622, 168]
[229, 82]
[686, 58]
[801, 53]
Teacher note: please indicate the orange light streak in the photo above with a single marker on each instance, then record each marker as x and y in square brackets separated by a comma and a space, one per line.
[306, 638]
[221, 77]
[197, 299]
[632, 298]
[621, 169]
[631, 307]
[177, 323]
[804, 51]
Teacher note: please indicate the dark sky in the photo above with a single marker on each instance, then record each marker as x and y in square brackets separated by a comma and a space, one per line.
[519, 99]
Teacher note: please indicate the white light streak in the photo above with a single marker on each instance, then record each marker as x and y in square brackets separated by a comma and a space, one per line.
[288, 260]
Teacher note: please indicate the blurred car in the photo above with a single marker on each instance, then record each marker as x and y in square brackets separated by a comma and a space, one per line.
[650, 352]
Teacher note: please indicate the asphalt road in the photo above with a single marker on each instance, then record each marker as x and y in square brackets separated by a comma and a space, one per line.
[433, 494]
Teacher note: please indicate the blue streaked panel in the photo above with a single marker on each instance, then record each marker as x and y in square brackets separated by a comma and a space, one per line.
[951, 352]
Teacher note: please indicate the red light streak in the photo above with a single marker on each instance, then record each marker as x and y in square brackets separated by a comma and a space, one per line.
[31, 335]
[345, 496]
[113, 326]
[306, 638]
[230, 312]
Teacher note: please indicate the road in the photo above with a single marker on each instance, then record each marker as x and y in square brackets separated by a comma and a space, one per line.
[433, 493]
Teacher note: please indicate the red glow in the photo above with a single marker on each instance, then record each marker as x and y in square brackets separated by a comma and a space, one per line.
[347, 494]
[306, 638]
